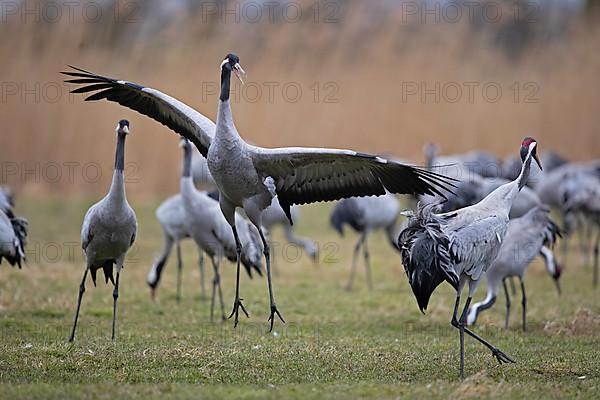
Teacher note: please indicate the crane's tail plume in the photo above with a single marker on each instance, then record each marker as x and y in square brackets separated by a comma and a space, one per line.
[20, 227]
[425, 252]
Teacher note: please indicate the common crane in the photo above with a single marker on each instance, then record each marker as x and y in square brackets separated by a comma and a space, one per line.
[209, 229]
[171, 216]
[526, 236]
[249, 176]
[108, 231]
[365, 215]
[459, 246]
[13, 230]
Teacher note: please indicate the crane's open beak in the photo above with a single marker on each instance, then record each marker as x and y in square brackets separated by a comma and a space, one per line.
[239, 72]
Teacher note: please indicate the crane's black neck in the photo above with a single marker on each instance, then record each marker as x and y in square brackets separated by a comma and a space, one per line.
[187, 161]
[225, 83]
[120, 153]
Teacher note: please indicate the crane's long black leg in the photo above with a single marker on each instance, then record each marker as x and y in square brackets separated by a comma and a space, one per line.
[79, 297]
[461, 334]
[115, 297]
[214, 291]
[353, 267]
[201, 268]
[217, 286]
[497, 353]
[596, 251]
[523, 304]
[179, 269]
[507, 304]
[237, 304]
[461, 323]
[274, 310]
[367, 263]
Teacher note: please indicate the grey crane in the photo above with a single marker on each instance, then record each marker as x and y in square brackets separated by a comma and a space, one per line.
[13, 230]
[476, 188]
[581, 195]
[108, 231]
[459, 246]
[366, 215]
[555, 186]
[249, 176]
[526, 236]
[171, 217]
[211, 232]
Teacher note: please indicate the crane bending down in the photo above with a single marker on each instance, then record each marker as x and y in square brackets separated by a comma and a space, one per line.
[459, 246]
[108, 230]
[206, 225]
[249, 176]
[171, 216]
[527, 236]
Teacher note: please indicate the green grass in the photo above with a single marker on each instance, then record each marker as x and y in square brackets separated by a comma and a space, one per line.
[335, 343]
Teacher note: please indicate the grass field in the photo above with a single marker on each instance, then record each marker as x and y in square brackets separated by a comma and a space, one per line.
[335, 343]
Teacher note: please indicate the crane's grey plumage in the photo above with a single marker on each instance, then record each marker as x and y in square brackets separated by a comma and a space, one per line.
[211, 232]
[13, 230]
[526, 236]
[249, 176]
[200, 172]
[476, 188]
[13, 238]
[459, 246]
[365, 215]
[108, 231]
[581, 195]
[556, 186]
[171, 217]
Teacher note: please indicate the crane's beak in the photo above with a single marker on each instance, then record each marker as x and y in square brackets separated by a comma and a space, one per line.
[239, 72]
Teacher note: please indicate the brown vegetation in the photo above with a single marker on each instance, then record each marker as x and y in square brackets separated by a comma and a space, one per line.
[369, 55]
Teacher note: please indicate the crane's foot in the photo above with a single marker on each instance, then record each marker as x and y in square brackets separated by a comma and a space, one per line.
[274, 311]
[501, 356]
[237, 304]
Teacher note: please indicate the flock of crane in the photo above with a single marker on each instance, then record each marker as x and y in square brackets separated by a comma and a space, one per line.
[482, 222]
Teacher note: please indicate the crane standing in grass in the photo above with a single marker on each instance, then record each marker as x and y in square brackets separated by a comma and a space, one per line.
[365, 215]
[171, 216]
[249, 176]
[108, 230]
[526, 236]
[209, 230]
[459, 246]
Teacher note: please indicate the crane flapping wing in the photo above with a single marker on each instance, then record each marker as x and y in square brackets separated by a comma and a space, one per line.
[170, 112]
[308, 175]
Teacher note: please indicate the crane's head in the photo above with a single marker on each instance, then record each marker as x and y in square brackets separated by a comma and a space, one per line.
[232, 63]
[123, 127]
[529, 146]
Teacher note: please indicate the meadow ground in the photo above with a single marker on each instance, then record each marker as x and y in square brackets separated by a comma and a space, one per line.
[336, 343]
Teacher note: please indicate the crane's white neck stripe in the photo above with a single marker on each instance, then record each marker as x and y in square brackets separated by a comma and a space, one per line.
[225, 61]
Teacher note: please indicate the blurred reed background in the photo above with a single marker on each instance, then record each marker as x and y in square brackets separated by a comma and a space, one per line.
[356, 63]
